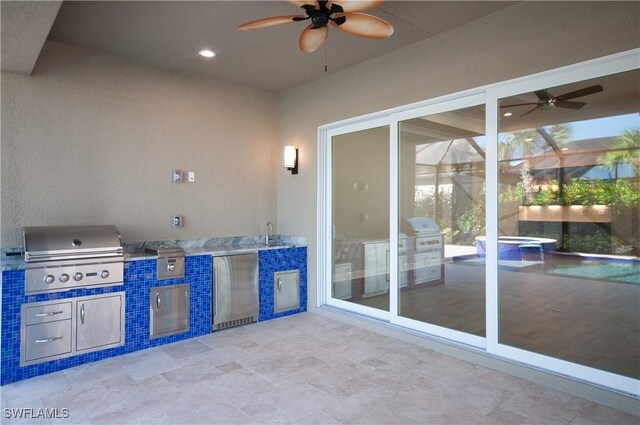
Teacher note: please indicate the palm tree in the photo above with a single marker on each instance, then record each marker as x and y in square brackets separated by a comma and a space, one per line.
[625, 151]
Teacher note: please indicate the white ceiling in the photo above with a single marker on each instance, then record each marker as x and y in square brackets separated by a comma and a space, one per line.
[168, 34]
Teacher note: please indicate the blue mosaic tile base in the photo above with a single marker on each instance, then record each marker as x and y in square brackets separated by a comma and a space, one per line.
[139, 277]
[277, 260]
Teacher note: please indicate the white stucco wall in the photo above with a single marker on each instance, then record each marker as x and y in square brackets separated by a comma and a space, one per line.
[526, 38]
[92, 139]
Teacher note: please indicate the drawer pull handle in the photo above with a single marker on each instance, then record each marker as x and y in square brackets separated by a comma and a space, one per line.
[42, 341]
[51, 313]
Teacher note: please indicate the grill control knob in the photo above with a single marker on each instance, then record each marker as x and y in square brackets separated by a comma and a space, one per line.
[104, 274]
[171, 267]
[64, 277]
[49, 279]
[78, 276]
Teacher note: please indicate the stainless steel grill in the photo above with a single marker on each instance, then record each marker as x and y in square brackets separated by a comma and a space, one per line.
[60, 258]
[428, 250]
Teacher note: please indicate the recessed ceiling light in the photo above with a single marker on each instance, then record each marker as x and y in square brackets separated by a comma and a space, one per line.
[206, 53]
[507, 114]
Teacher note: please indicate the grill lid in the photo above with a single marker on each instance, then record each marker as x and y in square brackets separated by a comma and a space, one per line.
[45, 243]
[419, 225]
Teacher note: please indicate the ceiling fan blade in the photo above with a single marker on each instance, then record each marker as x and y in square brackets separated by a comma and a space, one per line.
[353, 5]
[518, 104]
[270, 22]
[312, 38]
[529, 111]
[569, 105]
[298, 3]
[364, 25]
[582, 92]
[543, 95]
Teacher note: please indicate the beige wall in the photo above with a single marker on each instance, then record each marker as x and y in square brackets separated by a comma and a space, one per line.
[361, 158]
[525, 38]
[90, 138]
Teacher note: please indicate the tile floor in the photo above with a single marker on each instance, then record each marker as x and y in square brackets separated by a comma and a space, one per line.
[591, 322]
[303, 369]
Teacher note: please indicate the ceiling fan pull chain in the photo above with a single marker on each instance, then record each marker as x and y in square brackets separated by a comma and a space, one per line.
[325, 58]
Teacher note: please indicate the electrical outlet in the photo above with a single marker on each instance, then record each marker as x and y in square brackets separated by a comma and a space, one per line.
[191, 176]
[176, 221]
[177, 176]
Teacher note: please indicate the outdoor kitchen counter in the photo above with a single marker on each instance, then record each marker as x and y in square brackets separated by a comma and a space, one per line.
[213, 247]
[213, 251]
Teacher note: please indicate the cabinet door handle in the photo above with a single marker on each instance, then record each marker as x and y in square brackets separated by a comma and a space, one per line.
[51, 313]
[82, 315]
[279, 284]
[42, 341]
[158, 301]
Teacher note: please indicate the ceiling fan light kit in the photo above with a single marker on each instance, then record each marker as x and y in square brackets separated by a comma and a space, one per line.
[344, 15]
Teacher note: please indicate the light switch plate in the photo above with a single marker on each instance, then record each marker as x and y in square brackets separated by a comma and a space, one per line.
[191, 176]
[177, 176]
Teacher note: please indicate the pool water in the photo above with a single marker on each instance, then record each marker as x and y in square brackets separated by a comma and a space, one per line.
[619, 271]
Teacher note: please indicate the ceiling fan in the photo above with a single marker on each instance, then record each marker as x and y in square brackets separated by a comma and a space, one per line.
[342, 14]
[547, 101]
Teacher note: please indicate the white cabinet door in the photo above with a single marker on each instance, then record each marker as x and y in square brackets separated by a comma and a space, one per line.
[342, 281]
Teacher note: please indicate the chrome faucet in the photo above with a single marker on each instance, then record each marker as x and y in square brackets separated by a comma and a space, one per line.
[269, 235]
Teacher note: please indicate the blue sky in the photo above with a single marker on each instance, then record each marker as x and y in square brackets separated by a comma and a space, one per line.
[603, 127]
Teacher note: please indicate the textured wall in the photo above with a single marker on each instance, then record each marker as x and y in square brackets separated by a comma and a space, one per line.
[90, 138]
[522, 39]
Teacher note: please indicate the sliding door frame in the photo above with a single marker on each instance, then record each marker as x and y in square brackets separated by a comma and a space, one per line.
[608, 65]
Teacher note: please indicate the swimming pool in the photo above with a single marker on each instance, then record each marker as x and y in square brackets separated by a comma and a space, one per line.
[618, 271]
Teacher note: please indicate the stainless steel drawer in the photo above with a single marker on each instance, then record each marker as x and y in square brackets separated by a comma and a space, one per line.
[48, 313]
[48, 340]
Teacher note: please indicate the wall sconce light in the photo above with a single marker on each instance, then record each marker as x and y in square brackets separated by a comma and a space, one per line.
[291, 159]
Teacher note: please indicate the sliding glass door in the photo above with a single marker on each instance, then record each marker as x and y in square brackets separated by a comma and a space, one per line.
[505, 218]
[569, 223]
[360, 219]
[441, 222]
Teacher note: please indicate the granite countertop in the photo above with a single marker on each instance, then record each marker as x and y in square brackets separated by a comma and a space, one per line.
[12, 259]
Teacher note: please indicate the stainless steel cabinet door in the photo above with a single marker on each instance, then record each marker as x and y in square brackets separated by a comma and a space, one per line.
[169, 308]
[99, 322]
[286, 290]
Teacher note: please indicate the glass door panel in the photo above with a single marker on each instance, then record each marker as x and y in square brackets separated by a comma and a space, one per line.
[442, 220]
[569, 223]
[360, 218]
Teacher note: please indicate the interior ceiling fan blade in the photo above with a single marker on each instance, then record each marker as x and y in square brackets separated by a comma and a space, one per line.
[270, 22]
[354, 5]
[312, 38]
[529, 111]
[313, 3]
[543, 95]
[364, 25]
[518, 104]
[582, 92]
[569, 105]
